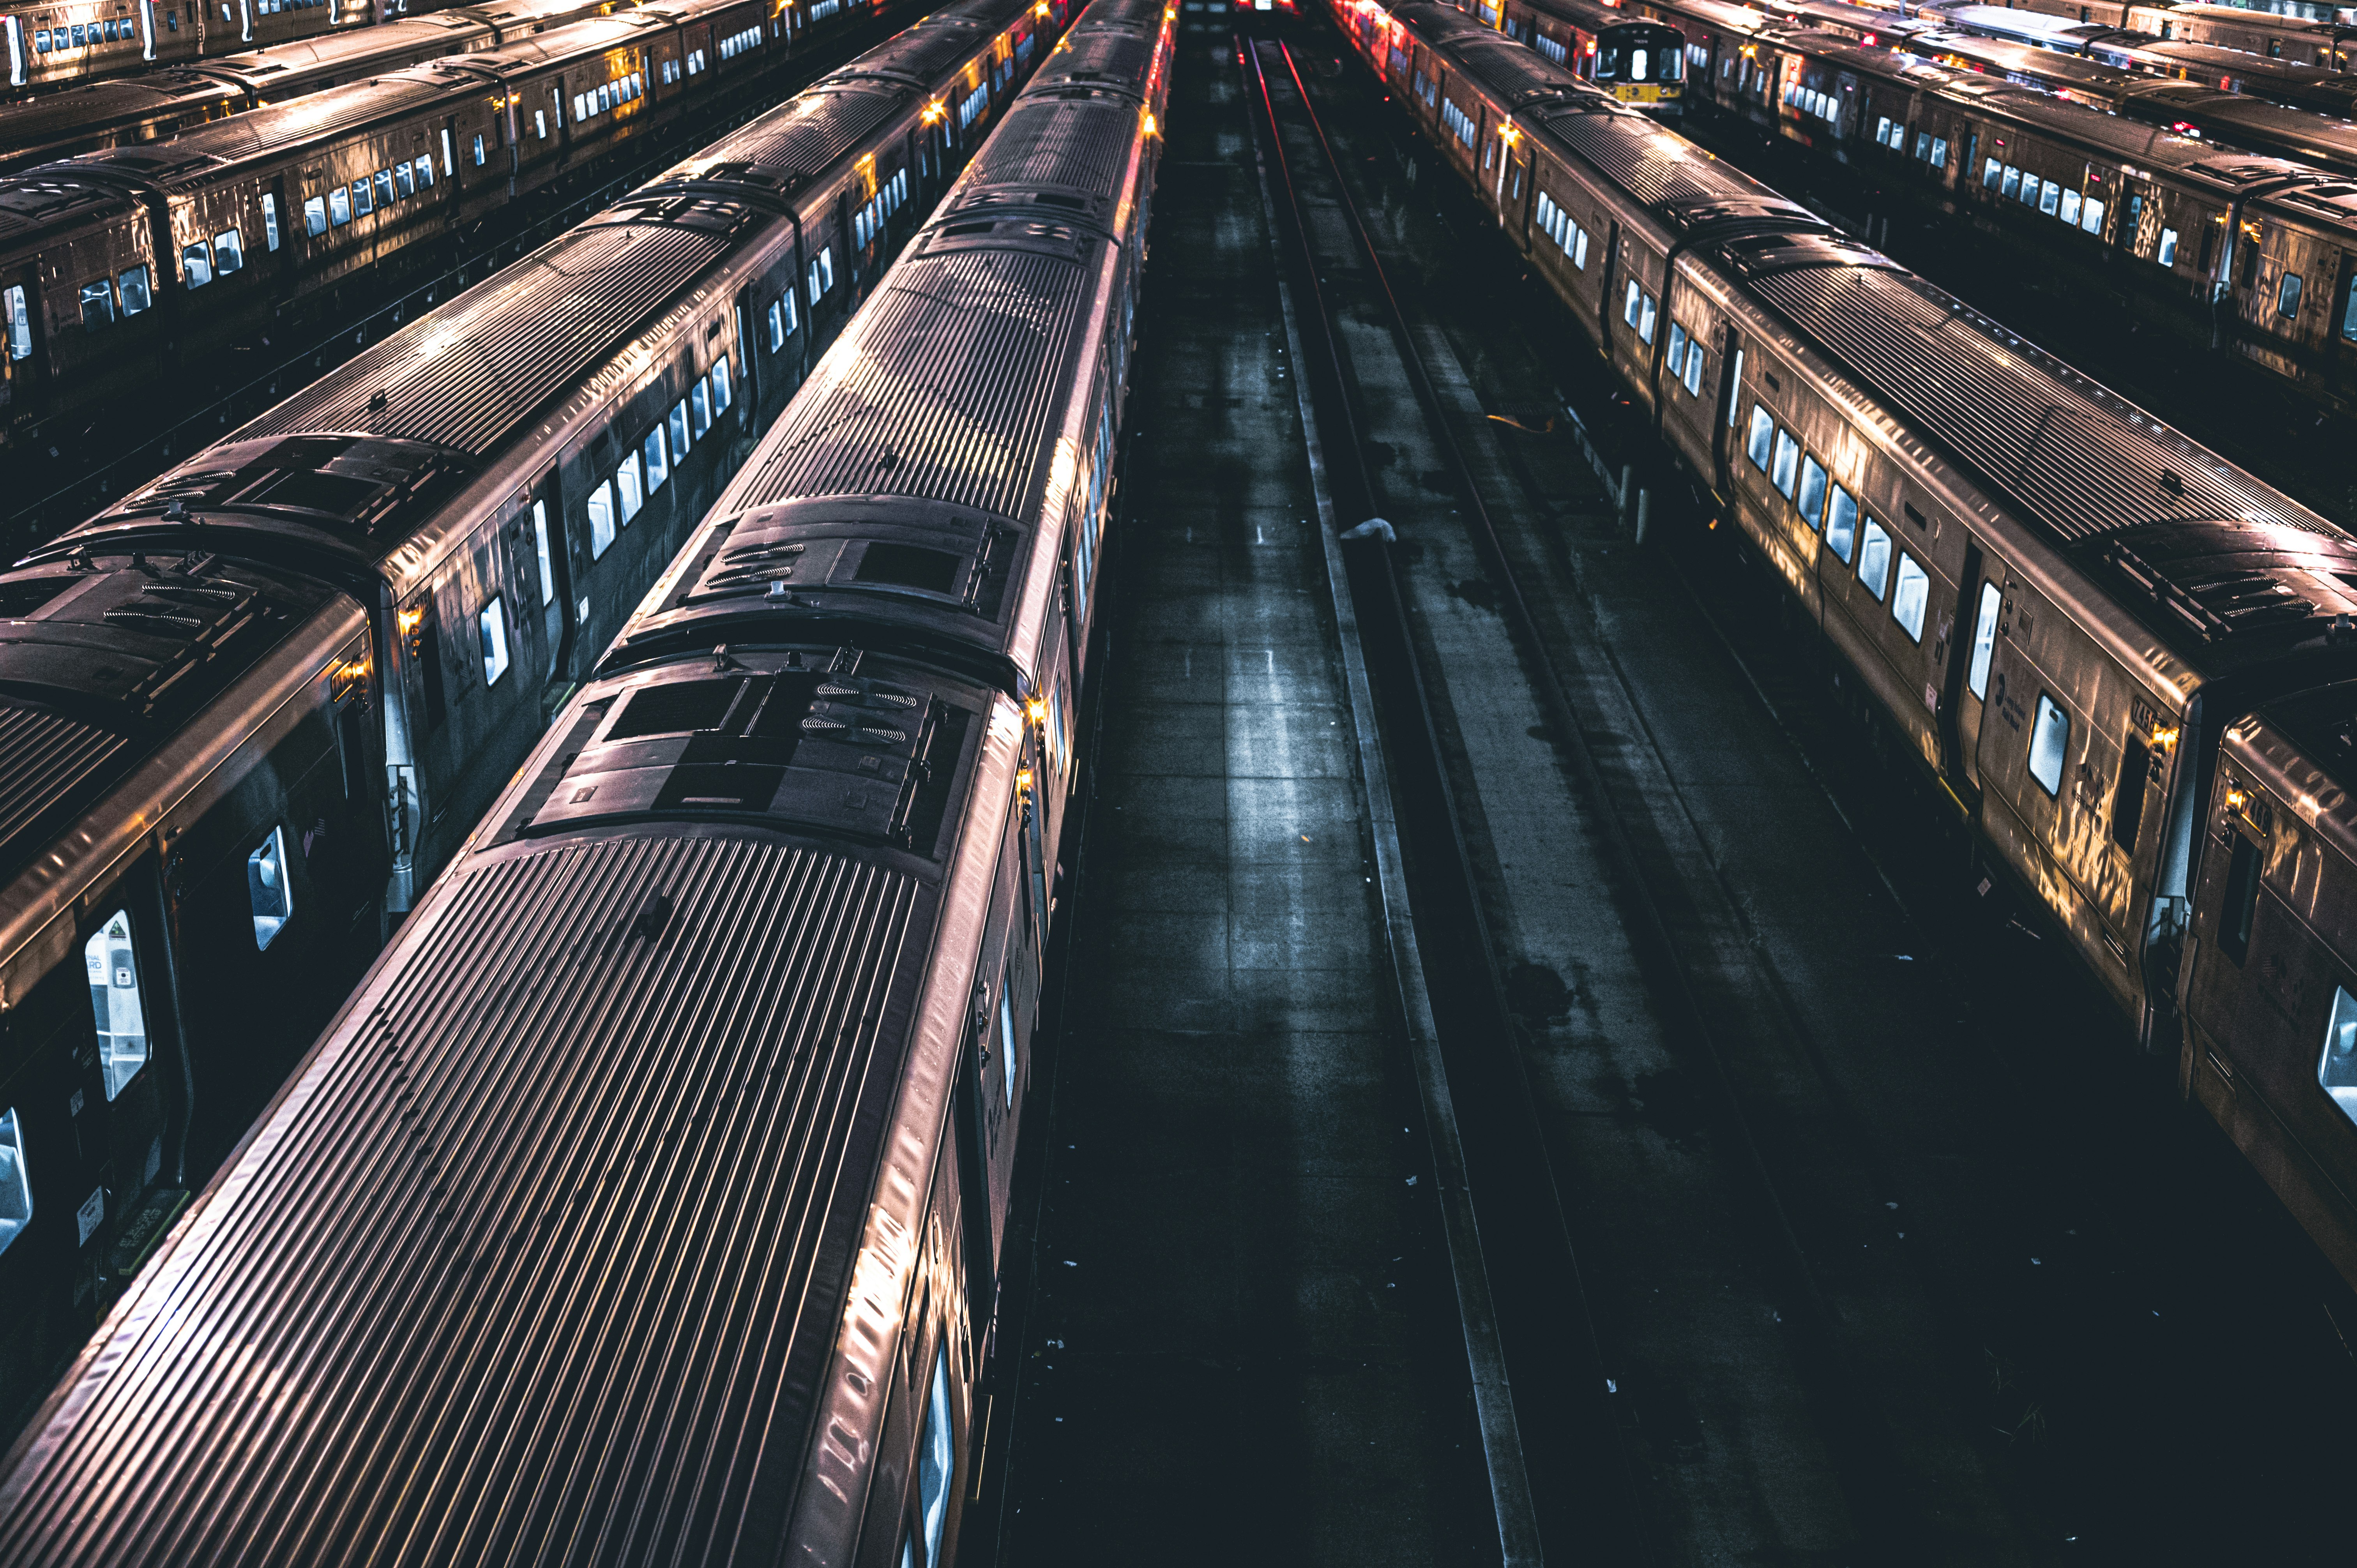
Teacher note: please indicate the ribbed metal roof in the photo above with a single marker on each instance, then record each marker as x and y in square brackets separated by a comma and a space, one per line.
[1079, 143]
[317, 116]
[47, 761]
[941, 390]
[466, 375]
[1649, 163]
[2073, 457]
[539, 1258]
[806, 135]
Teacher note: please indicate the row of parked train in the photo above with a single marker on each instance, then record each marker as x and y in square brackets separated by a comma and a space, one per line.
[2132, 665]
[246, 731]
[2251, 254]
[646, 1201]
[157, 263]
[69, 42]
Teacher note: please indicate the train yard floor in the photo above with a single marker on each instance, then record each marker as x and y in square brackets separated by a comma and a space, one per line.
[1895, 1252]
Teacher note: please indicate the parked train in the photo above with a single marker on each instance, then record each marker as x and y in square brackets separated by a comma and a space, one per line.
[93, 115]
[153, 264]
[245, 711]
[2251, 255]
[2298, 31]
[2133, 665]
[67, 42]
[647, 1201]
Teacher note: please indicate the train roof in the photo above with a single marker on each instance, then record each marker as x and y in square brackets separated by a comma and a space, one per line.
[45, 126]
[2303, 748]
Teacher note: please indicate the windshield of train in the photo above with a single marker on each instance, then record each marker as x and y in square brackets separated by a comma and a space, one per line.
[1640, 54]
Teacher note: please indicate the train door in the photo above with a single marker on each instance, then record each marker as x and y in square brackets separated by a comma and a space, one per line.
[1730, 408]
[536, 569]
[1513, 186]
[20, 365]
[1972, 648]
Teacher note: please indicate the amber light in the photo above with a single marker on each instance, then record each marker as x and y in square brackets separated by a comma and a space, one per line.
[410, 619]
[2164, 736]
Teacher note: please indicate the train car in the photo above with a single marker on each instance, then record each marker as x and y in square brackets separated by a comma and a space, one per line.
[1641, 62]
[93, 115]
[72, 41]
[402, 570]
[2060, 606]
[673, 1229]
[148, 263]
[2294, 31]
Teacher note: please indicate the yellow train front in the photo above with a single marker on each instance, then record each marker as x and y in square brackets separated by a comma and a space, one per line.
[1642, 64]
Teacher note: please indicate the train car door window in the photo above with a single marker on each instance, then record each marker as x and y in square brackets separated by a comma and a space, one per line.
[98, 304]
[1910, 599]
[1985, 639]
[1007, 1029]
[936, 1463]
[137, 297]
[112, 967]
[2167, 254]
[1764, 434]
[1813, 491]
[1874, 560]
[721, 394]
[16, 314]
[449, 163]
[658, 467]
[540, 551]
[2050, 743]
[2241, 907]
[424, 167]
[1694, 367]
[267, 890]
[197, 264]
[1787, 470]
[1841, 524]
[16, 1180]
[2336, 1072]
[492, 624]
[269, 220]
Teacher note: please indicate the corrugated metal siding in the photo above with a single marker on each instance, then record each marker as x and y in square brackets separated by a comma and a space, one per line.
[816, 130]
[2084, 468]
[529, 1267]
[1047, 142]
[44, 758]
[943, 389]
[1648, 162]
[467, 374]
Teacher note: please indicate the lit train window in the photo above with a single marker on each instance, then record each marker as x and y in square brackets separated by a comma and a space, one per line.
[2049, 740]
[98, 304]
[700, 399]
[601, 520]
[1677, 356]
[269, 220]
[2069, 209]
[339, 207]
[1763, 432]
[2336, 1072]
[1694, 368]
[1813, 491]
[114, 971]
[197, 264]
[1006, 1031]
[266, 888]
[363, 197]
[315, 216]
[2287, 297]
[679, 436]
[1874, 560]
[721, 394]
[135, 296]
[777, 319]
[15, 1179]
[2167, 254]
[1629, 311]
[16, 314]
[424, 167]
[626, 488]
[1985, 639]
[2090, 215]
[1938, 151]
[2049, 199]
[404, 182]
[2348, 321]
[658, 470]
[384, 188]
[1787, 469]
[540, 548]
[935, 1460]
[493, 622]
[1909, 600]
[228, 253]
[1992, 173]
[1841, 524]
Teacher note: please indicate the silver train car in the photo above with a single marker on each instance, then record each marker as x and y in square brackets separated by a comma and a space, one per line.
[93, 115]
[2251, 256]
[67, 43]
[153, 262]
[645, 1203]
[243, 712]
[2108, 644]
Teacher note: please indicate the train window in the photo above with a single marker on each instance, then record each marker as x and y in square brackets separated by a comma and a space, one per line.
[424, 167]
[405, 180]
[721, 394]
[1909, 600]
[1993, 171]
[1694, 367]
[363, 198]
[1763, 433]
[699, 398]
[1813, 491]
[197, 264]
[1648, 312]
[229, 252]
[1677, 348]
[1874, 560]
[15, 1179]
[1985, 639]
[17, 315]
[2241, 908]
[478, 152]
[493, 624]
[2287, 297]
[1628, 310]
[679, 437]
[1924, 147]
[777, 320]
[627, 489]
[40, 40]
[601, 520]
[2049, 199]
[2049, 740]
[658, 470]
[114, 971]
[1787, 469]
[269, 220]
[136, 296]
[935, 1460]
[1940, 151]
[2167, 254]
[339, 207]
[2127, 794]
[2336, 1074]
[384, 188]
[2012, 181]
[2069, 212]
[267, 890]
[2090, 215]
[315, 216]
[1007, 1030]
[1841, 524]
[540, 549]
[539, 123]
[1579, 247]
[98, 304]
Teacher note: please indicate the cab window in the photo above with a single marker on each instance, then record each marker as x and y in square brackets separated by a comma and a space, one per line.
[113, 970]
